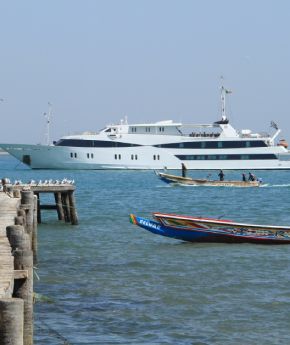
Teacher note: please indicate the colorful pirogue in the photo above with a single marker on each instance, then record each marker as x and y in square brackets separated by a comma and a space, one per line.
[198, 229]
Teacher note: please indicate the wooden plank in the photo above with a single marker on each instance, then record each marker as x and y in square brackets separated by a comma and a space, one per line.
[20, 274]
[48, 207]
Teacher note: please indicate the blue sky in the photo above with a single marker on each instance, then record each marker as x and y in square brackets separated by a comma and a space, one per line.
[97, 61]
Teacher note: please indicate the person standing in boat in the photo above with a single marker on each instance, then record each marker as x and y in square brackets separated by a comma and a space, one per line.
[244, 177]
[252, 177]
[221, 175]
[184, 170]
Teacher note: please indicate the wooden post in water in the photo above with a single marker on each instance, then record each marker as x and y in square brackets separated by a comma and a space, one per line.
[23, 287]
[67, 203]
[65, 207]
[38, 208]
[59, 207]
[27, 203]
[73, 211]
[11, 321]
[34, 236]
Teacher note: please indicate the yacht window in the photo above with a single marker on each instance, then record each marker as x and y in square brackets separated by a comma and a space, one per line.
[228, 144]
[222, 157]
[75, 155]
[158, 157]
[210, 144]
[71, 154]
[227, 157]
[258, 143]
[93, 143]
[116, 157]
[92, 155]
[108, 130]
[132, 157]
[119, 156]
[136, 157]
[154, 157]
[88, 155]
[181, 145]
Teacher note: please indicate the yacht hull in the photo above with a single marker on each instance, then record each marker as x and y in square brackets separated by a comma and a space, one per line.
[135, 158]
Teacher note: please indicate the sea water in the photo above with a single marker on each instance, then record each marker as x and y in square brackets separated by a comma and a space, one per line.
[107, 281]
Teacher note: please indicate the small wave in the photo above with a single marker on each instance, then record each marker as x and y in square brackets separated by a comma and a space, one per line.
[165, 186]
[286, 185]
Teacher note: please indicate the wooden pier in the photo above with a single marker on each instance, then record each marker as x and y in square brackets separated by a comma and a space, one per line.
[64, 200]
[17, 230]
[20, 212]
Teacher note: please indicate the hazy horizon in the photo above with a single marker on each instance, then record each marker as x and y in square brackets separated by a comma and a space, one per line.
[98, 61]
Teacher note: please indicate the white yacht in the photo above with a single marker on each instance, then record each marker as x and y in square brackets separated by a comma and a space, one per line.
[160, 145]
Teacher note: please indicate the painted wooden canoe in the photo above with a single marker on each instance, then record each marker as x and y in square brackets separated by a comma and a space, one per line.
[198, 229]
[168, 178]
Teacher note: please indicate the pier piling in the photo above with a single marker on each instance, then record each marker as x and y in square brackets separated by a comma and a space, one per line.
[11, 321]
[23, 288]
[20, 212]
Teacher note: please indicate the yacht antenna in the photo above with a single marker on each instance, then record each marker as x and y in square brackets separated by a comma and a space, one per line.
[223, 104]
[48, 119]
[224, 92]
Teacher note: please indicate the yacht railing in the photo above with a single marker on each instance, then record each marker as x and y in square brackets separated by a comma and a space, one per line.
[204, 135]
[254, 135]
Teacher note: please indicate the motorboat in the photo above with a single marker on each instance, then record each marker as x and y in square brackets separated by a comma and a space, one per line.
[188, 181]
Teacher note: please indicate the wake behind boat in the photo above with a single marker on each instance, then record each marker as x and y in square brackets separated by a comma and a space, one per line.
[198, 229]
[180, 180]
